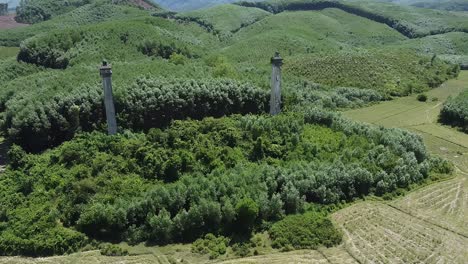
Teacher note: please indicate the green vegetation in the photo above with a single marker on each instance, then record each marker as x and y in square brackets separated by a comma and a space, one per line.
[212, 245]
[386, 72]
[89, 14]
[148, 103]
[196, 159]
[220, 176]
[107, 249]
[307, 231]
[451, 5]
[411, 22]
[227, 19]
[449, 47]
[34, 11]
[8, 52]
[422, 98]
[455, 111]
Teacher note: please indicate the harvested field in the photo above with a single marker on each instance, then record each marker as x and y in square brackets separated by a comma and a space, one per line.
[7, 22]
[378, 233]
[444, 204]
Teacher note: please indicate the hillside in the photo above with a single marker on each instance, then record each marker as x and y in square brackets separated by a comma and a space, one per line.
[199, 170]
[451, 5]
[189, 5]
[34, 11]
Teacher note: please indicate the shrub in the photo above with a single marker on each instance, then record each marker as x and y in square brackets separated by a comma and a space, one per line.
[212, 245]
[108, 249]
[306, 231]
[242, 249]
[422, 98]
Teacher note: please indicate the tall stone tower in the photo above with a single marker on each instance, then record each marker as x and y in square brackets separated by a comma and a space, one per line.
[275, 101]
[106, 74]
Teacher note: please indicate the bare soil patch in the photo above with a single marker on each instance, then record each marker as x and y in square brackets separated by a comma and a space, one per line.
[7, 22]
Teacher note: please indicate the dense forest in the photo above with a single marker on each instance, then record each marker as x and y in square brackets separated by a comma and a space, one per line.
[197, 158]
[177, 184]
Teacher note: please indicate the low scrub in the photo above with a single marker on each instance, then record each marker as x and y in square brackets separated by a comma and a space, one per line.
[306, 231]
[212, 245]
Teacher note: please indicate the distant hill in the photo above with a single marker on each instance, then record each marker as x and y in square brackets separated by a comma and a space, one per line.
[35, 11]
[452, 5]
[188, 5]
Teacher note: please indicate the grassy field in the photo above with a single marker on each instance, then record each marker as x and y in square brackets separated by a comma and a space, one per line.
[8, 52]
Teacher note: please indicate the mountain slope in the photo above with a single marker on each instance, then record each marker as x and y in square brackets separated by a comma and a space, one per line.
[187, 5]
[453, 5]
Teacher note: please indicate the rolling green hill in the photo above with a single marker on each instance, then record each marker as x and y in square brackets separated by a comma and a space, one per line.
[227, 19]
[451, 5]
[411, 21]
[189, 5]
[34, 11]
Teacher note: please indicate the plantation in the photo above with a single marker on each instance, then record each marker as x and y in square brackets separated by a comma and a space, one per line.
[378, 71]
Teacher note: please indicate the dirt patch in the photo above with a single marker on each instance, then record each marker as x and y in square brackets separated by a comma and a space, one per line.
[7, 22]
[142, 4]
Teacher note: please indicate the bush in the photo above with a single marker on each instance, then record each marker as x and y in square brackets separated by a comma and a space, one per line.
[307, 231]
[242, 249]
[212, 245]
[422, 98]
[108, 249]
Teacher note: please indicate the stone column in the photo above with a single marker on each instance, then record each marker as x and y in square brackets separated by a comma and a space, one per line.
[275, 101]
[106, 74]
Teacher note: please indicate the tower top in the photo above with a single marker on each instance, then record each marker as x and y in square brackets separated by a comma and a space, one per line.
[105, 69]
[277, 60]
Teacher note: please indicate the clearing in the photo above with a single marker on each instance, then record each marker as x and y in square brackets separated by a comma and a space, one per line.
[7, 22]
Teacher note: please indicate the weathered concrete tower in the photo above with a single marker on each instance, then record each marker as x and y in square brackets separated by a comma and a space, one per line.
[275, 101]
[106, 74]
